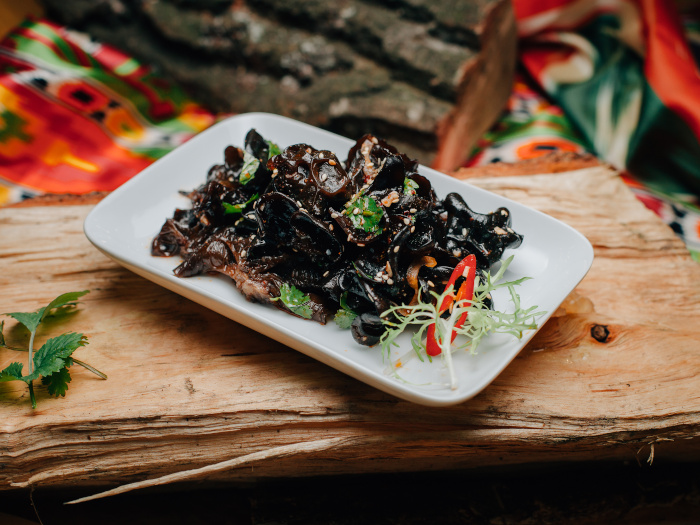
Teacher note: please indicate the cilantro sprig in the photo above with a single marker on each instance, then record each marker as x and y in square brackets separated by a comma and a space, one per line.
[52, 361]
[295, 300]
[365, 213]
[480, 322]
[345, 315]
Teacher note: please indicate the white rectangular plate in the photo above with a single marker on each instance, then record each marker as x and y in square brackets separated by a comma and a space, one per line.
[123, 225]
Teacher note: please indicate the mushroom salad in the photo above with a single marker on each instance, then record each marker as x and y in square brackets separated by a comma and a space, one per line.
[322, 238]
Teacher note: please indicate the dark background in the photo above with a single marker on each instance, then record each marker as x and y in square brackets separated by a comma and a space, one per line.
[588, 493]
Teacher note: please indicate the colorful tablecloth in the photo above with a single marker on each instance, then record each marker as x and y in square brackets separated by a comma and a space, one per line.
[77, 116]
[618, 78]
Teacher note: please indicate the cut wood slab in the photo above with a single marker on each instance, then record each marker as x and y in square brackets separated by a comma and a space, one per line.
[614, 374]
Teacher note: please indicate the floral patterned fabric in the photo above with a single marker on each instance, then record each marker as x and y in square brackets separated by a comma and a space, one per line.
[77, 116]
[618, 78]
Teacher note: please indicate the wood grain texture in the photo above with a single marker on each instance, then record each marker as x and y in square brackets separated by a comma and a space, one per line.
[188, 388]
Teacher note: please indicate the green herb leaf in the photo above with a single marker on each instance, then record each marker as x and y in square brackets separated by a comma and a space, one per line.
[58, 381]
[274, 149]
[295, 300]
[250, 166]
[31, 320]
[238, 208]
[52, 360]
[13, 372]
[52, 356]
[368, 216]
[409, 186]
[344, 302]
[66, 299]
[344, 318]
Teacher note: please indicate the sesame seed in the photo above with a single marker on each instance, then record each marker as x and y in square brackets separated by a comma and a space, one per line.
[456, 253]
[356, 211]
[361, 245]
[413, 210]
[332, 162]
[334, 215]
[464, 232]
[299, 204]
[320, 155]
[499, 230]
[431, 284]
[413, 228]
[330, 227]
[378, 279]
[324, 177]
[308, 150]
[326, 273]
[243, 253]
[396, 249]
[389, 281]
[388, 270]
[374, 140]
[407, 221]
[349, 237]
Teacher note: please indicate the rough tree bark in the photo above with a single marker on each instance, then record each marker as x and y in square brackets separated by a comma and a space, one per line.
[429, 76]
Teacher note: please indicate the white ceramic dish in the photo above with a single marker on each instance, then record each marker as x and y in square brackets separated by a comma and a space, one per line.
[122, 226]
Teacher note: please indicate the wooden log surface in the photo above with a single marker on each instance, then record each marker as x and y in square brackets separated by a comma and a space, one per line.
[188, 388]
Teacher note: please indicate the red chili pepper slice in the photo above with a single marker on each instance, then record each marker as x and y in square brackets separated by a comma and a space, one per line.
[466, 268]
[465, 294]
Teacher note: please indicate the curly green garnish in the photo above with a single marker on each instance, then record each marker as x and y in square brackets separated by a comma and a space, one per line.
[480, 322]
